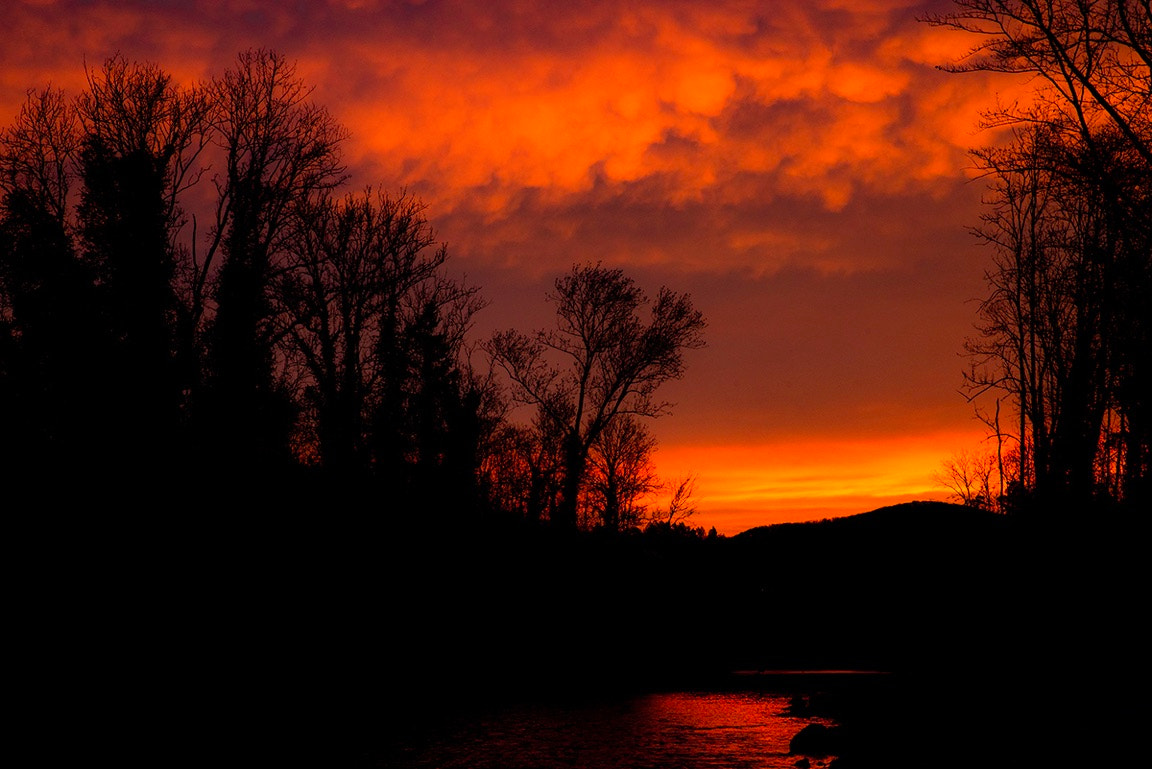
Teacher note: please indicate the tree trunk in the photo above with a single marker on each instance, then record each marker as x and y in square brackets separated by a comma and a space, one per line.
[575, 459]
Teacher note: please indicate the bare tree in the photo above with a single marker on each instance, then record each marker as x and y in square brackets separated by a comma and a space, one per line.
[682, 503]
[346, 273]
[620, 475]
[293, 309]
[374, 333]
[108, 247]
[1094, 58]
[1064, 262]
[279, 149]
[135, 108]
[601, 361]
[972, 478]
[521, 471]
[1064, 330]
[39, 152]
[142, 136]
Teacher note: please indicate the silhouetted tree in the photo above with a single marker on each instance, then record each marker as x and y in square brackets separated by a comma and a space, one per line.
[348, 268]
[1064, 330]
[445, 411]
[38, 152]
[141, 137]
[1056, 330]
[46, 297]
[521, 471]
[279, 149]
[602, 361]
[375, 336]
[297, 328]
[52, 409]
[620, 475]
[682, 503]
[131, 139]
[1093, 60]
[971, 477]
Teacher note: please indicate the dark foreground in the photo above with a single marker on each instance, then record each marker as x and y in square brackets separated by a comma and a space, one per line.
[300, 642]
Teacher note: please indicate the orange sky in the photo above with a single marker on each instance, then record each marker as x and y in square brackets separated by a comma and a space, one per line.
[798, 166]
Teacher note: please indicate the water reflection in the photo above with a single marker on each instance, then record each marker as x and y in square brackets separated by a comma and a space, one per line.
[666, 730]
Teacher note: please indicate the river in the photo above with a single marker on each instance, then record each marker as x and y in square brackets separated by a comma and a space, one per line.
[749, 726]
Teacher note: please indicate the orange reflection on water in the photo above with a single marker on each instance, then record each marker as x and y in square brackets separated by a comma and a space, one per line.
[653, 731]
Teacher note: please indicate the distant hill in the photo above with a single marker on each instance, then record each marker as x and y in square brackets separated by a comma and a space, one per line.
[905, 519]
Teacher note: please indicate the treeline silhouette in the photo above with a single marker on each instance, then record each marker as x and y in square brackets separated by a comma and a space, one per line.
[334, 517]
[998, 639]
[193, 309]
[1062, 363]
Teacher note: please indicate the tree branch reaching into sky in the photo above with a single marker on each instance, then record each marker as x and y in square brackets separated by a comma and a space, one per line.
[1066, 329]
[601, 361]
[1094, 58]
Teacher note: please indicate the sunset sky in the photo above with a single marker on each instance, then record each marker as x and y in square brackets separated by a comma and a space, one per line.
[798, 166]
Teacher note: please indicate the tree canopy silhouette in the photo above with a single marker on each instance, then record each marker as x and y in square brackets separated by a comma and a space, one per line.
[1066, 330]
[600, 363]
[296, 329]
[187, 293]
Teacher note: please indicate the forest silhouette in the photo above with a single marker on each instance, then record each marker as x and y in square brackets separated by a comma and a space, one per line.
[192, 300]
[247, 408]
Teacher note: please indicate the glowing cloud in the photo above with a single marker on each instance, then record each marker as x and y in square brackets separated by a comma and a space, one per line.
[798, 165]
[486, 108]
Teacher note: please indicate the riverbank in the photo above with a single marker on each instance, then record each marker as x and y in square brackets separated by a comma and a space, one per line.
[1004, 643]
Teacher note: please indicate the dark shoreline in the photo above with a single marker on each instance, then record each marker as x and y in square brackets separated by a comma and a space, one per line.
[1008, 644]
[1002, 642]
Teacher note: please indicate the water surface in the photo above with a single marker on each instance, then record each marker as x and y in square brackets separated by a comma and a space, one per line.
[686, 730]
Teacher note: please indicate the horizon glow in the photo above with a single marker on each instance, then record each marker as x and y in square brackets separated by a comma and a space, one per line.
[800, 168]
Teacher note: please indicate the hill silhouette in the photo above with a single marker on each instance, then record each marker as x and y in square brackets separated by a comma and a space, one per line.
[1017, 631]
[903, 519]
[1012, 641]
[324, 630]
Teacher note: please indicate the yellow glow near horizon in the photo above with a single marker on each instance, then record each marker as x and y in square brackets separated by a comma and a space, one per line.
[742, 486]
